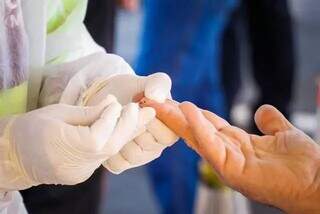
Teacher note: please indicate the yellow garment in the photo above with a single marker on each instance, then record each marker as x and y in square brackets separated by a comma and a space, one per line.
[13, 100]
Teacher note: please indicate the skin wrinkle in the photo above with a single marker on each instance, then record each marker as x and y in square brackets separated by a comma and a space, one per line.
[280, 140]
[235, 144]
[255, 148]
[314, 185]
[222, 158]
[226, 158]
[244, 165]
[223, 132]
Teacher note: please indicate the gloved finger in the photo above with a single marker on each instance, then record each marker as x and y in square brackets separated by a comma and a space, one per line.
[146, 115]
[269, 120]
[116, 164]
[124, 130]
[162, 133]
[158, 87]
[78, 115]
[131, 155]
[147, 142]
[111, 84]
[102, 129]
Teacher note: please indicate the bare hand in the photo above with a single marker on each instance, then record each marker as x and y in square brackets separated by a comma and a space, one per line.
[280, 168]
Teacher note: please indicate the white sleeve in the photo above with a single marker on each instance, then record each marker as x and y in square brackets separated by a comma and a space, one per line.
[12, 203]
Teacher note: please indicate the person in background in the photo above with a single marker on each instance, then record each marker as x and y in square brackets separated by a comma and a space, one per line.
[100, 22]
[268, 25]
[183, 38]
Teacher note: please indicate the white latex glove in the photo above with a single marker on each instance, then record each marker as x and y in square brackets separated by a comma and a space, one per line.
[65, 83]
[63, 144]
[73, 83]
[155, 137]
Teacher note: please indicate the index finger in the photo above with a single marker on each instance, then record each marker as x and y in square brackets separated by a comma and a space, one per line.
[171, 115]
[217, 121]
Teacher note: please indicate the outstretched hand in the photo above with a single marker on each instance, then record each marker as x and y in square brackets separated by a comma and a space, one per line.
[280, 168]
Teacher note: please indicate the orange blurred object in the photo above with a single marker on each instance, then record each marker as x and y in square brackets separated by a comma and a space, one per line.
[130, 5]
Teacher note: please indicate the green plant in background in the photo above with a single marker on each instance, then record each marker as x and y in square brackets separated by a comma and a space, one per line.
[209, 177]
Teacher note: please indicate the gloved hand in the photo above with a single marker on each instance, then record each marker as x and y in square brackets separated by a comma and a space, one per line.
[280, 168]
[152, 140]
[89, 80]
[65, 83]
[63, 144]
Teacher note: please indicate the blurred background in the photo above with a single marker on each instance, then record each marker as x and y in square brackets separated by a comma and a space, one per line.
[229, 56]
[243, 53]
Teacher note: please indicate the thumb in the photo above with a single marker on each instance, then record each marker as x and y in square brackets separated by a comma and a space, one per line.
[78, 115]
[158, 86]
[269, 120]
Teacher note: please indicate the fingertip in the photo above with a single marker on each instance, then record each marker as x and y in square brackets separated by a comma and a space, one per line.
[161, 76]
[114, 110]
[263, 111]
[270, 120]
[158, 87]
[156, 95]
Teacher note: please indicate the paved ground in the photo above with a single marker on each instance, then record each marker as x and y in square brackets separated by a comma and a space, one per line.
[130, 192]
